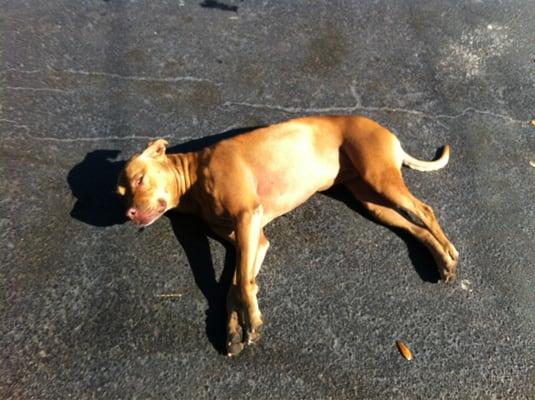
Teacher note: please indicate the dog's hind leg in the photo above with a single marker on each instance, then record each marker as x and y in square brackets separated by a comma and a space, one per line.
[402, 198]
[384, 209]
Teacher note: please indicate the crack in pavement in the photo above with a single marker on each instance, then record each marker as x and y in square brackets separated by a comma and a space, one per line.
[79, 139]
[138, 78]
[54, 90]
[21, 71]
[320, 110]
[290, 110]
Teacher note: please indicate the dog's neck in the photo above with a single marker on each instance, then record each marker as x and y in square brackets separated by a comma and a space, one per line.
[184, 168]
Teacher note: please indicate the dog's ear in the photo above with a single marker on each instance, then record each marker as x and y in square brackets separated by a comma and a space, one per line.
[121, 190]
[121, 184]
[156, 148]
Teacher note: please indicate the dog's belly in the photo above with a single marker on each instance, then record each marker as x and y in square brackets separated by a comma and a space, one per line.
[288, 162]
[282, 188]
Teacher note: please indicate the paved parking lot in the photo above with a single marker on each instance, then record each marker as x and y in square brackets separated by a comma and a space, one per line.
[83, 85]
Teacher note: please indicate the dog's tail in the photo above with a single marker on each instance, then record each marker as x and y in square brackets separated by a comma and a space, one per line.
[420, 165]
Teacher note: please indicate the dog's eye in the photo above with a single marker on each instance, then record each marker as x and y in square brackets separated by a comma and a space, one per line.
[138, 180]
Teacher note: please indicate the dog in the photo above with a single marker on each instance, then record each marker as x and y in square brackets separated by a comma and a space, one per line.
[242, 183]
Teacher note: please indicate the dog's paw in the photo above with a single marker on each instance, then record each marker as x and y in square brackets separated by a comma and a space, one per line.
[453, 253]
[234, 343]
[447, 262]
[254, 334]
[449, 271]
[233, 349]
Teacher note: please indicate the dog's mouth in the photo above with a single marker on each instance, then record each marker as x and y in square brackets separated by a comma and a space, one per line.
[144, 219]
[143, 224]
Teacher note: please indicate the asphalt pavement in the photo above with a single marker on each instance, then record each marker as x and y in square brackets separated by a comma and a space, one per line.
[92, 308]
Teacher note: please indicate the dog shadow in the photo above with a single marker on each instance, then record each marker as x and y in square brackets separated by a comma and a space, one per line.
[421, 258]
[93, 184]
[193, 234]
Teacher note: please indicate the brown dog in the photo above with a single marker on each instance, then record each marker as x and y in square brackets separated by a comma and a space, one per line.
[240, 184]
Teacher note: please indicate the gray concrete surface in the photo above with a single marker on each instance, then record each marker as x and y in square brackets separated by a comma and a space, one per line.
[84, 84]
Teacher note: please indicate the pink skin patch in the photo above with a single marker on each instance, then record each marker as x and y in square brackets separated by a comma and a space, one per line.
[270, 184]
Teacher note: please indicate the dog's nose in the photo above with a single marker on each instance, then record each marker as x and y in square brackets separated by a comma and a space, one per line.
[131, 213]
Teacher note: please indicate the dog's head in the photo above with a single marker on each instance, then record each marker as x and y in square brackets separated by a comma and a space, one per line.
[148, 184]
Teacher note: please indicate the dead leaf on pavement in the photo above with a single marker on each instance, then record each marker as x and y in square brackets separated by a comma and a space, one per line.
[404, 349]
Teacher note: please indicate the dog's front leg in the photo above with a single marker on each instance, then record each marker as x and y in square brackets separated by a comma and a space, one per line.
[248, 231]
[235, 342]
[235, 321]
